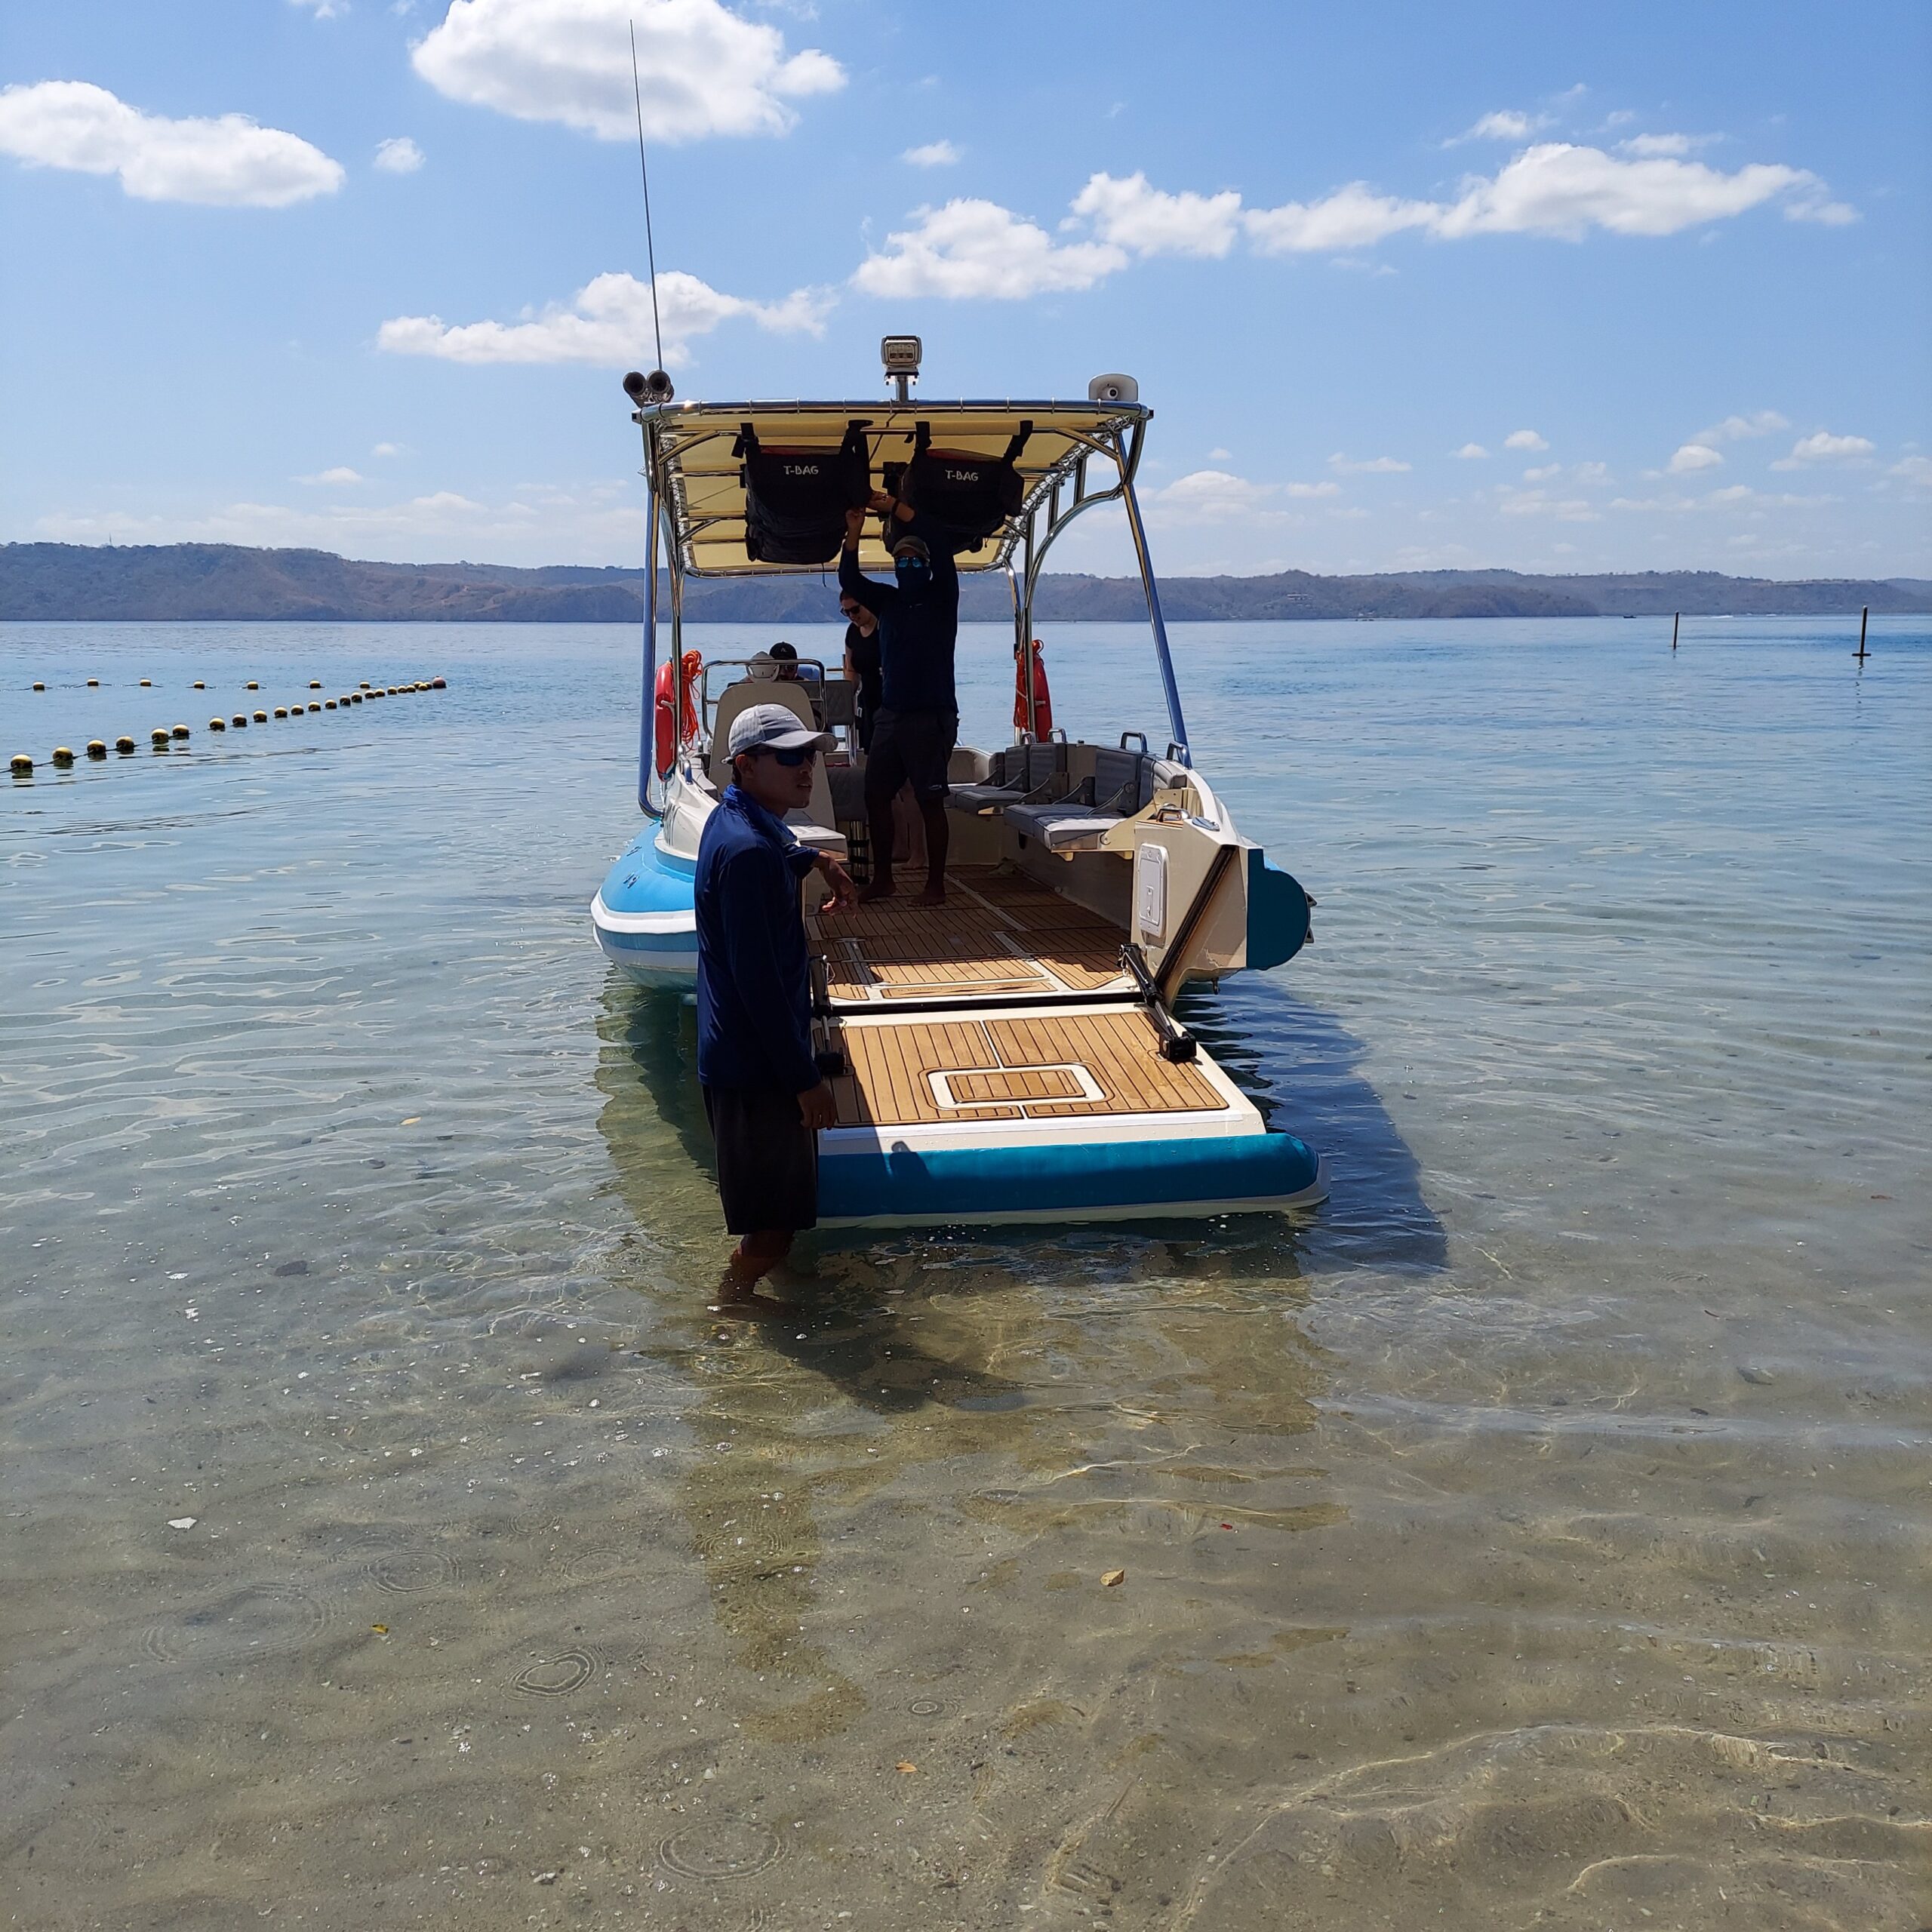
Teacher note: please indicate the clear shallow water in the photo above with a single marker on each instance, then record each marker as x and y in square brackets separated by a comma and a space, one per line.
[1537, 1535]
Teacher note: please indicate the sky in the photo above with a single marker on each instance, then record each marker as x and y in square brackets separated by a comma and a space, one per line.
[1554, 289]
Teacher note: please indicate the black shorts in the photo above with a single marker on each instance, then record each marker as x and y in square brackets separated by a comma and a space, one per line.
[910, 748]
[768, 1160]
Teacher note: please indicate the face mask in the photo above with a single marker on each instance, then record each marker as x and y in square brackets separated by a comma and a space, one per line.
[912, 572]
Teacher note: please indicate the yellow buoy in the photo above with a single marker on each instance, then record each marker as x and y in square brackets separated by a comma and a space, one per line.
[217, 725]
[158, 737]
[197, 685]
[315, 684]
[240, 721]
[22, 766]
[180, 731]
[355, 698]
[147, 684]
[329, 704]
[262, 717]
[313, 705]
[365, 683]
[94, 684]
[282, 711]
[251, 686]
[96, 749]
[62, 755]
[124, 744]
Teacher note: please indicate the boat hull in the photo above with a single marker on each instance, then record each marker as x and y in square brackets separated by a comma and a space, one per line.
[1106, 1180]
[644, 916]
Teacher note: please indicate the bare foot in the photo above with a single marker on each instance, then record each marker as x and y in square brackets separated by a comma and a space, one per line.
[934, 895]
[880, 888]
[748, 1307]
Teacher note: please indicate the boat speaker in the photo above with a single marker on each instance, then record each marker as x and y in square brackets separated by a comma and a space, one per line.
[643, 390]
[1113, 389]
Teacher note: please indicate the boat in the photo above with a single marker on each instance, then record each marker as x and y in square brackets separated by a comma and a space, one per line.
[1013, 1055]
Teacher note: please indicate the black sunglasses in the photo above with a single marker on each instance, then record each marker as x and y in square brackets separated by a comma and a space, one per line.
[791, 760]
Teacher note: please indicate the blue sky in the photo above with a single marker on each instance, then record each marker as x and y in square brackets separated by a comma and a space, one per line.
[1548, 288]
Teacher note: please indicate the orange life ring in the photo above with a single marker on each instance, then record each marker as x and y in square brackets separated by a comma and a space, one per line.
[669, 742]
[1042, 723]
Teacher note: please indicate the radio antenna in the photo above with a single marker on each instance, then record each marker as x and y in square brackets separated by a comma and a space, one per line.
[644, 170]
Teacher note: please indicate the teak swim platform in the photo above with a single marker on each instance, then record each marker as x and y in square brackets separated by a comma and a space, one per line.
[1011, 1055]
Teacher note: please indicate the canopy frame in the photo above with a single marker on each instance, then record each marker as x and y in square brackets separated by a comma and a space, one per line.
[1113, 434]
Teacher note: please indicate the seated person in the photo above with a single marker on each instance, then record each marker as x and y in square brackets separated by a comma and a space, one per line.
[789, 671]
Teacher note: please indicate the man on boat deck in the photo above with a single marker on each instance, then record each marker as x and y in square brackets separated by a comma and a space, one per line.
[918, 717]
[764, 1094]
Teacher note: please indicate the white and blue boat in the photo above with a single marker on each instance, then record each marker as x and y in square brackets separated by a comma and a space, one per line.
[1012, 1055]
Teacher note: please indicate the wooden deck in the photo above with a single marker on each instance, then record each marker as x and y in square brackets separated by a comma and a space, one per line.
[999, 935]
[1044, 1065]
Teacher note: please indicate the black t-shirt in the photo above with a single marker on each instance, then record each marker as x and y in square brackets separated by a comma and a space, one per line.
[863, 652]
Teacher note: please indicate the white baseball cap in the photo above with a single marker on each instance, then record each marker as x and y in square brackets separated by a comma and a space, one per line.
[774, 727]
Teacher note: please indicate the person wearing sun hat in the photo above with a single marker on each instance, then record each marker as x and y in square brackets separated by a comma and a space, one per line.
[764, 1094]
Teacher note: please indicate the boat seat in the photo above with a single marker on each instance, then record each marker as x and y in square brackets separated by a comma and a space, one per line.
[738, 697]
[1122, 784]
[1018, 773]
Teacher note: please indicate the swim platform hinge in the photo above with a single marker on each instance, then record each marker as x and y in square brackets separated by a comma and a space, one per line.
[1177, 1043]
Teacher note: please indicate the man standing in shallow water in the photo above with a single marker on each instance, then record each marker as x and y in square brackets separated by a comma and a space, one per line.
[764, 1094]
[918, 718]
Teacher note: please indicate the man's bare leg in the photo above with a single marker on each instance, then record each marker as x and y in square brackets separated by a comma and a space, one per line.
[878, 829]
[754, 1258]
[938, 833]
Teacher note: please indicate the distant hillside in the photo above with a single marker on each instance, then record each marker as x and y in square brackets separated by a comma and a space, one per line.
[213, 582]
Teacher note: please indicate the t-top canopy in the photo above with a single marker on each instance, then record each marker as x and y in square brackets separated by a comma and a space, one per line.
[694, 460]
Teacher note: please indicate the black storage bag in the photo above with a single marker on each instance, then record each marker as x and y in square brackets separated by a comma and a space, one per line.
[964, 494]
[795, 500]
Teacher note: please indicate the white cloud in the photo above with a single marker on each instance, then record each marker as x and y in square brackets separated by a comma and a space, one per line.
[1352, 218]
[229, 162]
[1649, 145]
[934, 154]
[1130, 214]
[323, 10]
[973, 248]
[1524, 439]
[1216, 496]
[1219, 456]
[705, 70]
[1542, 472]
[1734, 429]
[1469, 452]
[1823, 446]
[1916, 470]
[400, 155]
[1592, 472]
[608, 322]
[1540, 503]
[387, 449]
[1506, 124]
[1693, 456]
[1374, 466]
[340, 474]
[1557, 188]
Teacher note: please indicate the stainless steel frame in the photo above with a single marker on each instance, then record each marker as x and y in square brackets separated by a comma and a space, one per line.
[1060, 494]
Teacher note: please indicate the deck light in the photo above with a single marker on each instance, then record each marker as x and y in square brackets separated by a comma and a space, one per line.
[901, 354]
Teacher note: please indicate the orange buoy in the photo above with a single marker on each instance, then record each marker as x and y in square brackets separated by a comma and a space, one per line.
[439, 684]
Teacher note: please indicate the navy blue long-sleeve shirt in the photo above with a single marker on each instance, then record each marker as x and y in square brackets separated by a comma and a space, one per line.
[917, 630]
[754, 988]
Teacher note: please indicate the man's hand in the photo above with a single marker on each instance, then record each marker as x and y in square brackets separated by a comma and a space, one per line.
[817, 1109]
[843, 894]
[886, 504]
[855, 527]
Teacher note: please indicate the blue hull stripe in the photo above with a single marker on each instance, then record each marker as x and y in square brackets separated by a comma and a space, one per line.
[966, 1181]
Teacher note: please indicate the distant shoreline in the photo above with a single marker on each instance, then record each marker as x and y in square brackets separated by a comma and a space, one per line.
[223, 583]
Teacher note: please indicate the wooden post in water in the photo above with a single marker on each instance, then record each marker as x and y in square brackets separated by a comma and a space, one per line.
[1864, 618]
[1676, 618]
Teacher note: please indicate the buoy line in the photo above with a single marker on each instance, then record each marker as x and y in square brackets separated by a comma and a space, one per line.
[164, 737]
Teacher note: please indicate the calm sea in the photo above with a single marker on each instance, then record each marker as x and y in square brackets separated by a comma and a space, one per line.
[1537, 1534]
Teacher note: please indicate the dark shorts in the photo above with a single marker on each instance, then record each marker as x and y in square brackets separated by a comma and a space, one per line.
[910, 748]
[768, 1160]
